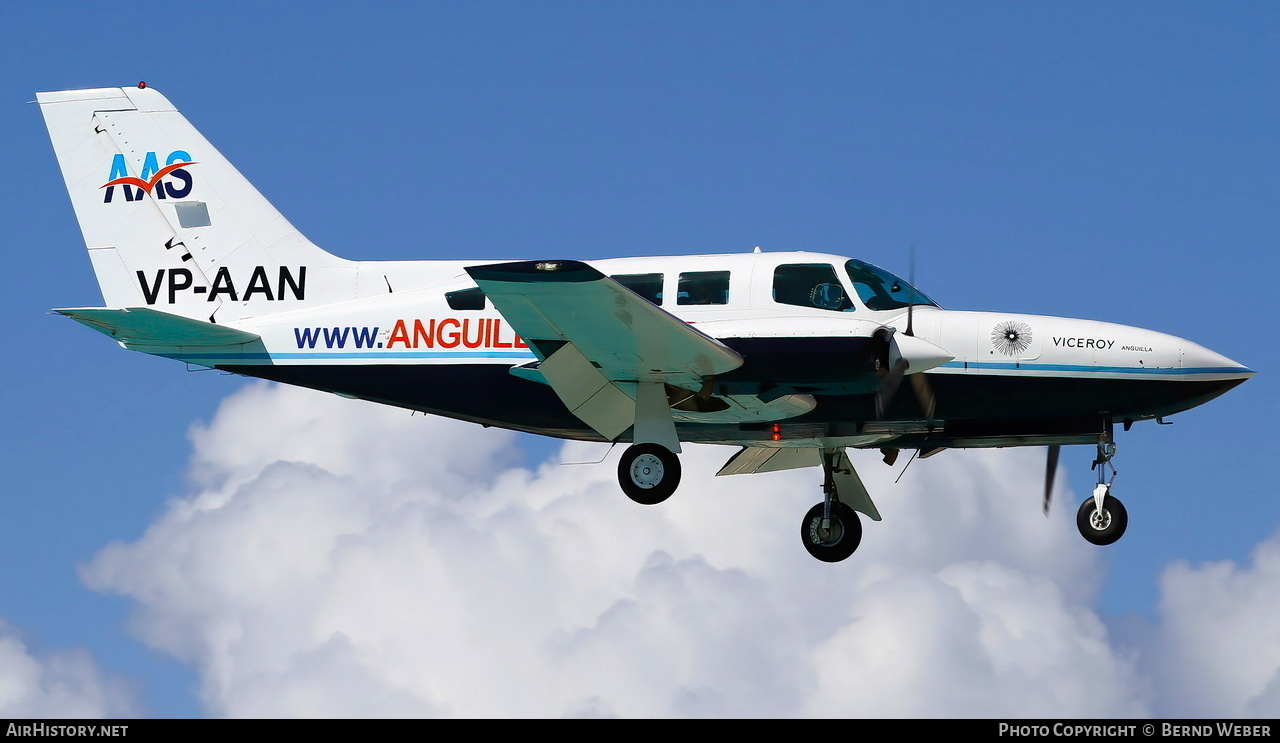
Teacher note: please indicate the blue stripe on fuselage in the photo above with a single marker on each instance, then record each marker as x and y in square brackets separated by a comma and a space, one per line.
[1089, 369]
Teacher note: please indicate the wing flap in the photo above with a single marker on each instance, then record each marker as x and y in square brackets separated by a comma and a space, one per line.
[753, 459]
[587, 393]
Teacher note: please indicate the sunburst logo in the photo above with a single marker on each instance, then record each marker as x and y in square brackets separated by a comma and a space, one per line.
[1011, 337]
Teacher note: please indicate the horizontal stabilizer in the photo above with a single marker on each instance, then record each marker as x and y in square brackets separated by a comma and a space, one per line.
[140, 326]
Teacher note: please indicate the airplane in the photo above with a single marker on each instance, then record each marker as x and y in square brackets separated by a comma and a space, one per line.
[793, 357]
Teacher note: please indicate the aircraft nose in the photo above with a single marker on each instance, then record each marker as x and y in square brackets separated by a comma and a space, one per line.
[1196, 359]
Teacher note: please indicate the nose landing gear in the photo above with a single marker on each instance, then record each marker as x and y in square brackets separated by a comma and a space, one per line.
[1102, 518]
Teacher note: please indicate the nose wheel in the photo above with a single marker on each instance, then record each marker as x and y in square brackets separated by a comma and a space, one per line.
[649, 473]
[1102, 525]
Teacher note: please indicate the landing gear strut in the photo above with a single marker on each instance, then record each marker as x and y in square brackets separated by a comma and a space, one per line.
[831, 530]
[649, 473]
[1102, 518]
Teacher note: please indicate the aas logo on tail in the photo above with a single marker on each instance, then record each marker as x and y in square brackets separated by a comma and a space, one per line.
[171, 181]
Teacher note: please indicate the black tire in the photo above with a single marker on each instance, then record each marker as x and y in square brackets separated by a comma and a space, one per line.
[649, 473]
[837, 543]
[1108, 526]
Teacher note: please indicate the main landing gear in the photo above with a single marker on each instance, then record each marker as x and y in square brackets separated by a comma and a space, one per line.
[1102, 518]
[649, 473]
[831, 530]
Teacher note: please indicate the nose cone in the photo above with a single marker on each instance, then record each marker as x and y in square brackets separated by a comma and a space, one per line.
[1211, 365]
[919, 354]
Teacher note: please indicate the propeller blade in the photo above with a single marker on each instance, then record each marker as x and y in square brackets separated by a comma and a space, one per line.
[911, 279]
[924, 394]
[1050, 471]
[889, 386]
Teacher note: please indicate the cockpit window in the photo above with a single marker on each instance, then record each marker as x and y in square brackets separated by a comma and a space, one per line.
[647, 285]
[703, 287]
[466, 299]
[881, 290]
[810, 285]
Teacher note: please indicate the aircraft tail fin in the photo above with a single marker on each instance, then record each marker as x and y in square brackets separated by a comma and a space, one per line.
[169, 223]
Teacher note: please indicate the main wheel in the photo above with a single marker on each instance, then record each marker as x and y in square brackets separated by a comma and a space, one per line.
[648, 473]
[836, 542]
[1105, 526]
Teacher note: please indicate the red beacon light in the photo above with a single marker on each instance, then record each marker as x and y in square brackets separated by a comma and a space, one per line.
[142, 84]
[777, 432]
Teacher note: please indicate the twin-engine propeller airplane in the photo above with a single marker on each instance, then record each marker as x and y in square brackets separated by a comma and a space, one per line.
[793, 357]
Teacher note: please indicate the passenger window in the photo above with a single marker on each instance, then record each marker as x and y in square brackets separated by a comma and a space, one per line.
[703, 287]
[647, 285]
[466, 299]
[810, 285]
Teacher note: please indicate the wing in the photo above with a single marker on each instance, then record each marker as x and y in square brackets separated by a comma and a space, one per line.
[612, 357]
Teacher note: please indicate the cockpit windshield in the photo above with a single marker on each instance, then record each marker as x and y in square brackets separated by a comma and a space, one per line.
[881, 290]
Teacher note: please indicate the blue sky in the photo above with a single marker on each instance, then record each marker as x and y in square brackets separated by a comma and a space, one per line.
[1077, 159]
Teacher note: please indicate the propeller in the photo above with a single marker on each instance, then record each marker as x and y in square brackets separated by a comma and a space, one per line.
[1050, 471]
[909, 355]
[918, 353]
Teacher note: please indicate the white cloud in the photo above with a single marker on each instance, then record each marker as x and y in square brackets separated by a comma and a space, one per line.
[975, 640]
[66, 684]
[1216, 649]
[341, 558]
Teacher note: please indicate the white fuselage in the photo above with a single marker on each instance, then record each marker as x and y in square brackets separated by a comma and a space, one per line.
[406, 319]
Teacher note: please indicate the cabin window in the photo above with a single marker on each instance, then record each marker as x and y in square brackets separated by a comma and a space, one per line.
[466, 299]
[810, 285]
[703, 287]
[647, 285]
